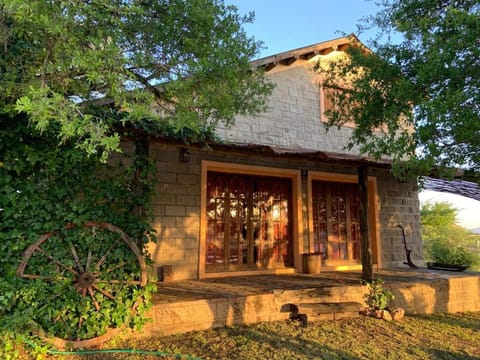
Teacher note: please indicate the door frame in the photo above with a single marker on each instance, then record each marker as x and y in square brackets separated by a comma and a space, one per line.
[241, 169]
[373, 213]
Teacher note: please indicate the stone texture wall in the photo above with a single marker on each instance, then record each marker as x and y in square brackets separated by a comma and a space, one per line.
[293, 117]
[399, 205]
[445, 295]
[178, 195]
[176, 212]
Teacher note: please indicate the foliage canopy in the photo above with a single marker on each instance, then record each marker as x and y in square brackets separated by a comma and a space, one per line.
[429, 81]
[74, 75]
[78, 68]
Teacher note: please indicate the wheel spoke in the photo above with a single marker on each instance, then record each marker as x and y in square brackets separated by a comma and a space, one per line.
[89, 260]
[57, 262]
[44, 278]
[104, 256]
[92, 295]
[115, 267]
[75, 256]
[123, 282]
[104, 292]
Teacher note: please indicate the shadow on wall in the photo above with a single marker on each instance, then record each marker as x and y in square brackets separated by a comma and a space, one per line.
[422, 298]
[443, 295]
[176, 248]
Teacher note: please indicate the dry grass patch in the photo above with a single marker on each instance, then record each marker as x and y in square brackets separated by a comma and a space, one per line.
[440, 336]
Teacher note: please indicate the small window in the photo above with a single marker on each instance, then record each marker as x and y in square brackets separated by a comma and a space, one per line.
[333, 100]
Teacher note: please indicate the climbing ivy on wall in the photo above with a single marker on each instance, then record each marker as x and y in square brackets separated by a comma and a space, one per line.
[50, 189]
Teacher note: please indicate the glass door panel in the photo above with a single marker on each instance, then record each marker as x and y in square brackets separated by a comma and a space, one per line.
[248, 222]
[335, 221]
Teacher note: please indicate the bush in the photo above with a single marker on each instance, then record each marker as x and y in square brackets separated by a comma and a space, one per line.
[43, 187]
[445, 253]
[378, 297]
[444, 241]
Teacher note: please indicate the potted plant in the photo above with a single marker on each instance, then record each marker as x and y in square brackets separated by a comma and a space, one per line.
[444, 256]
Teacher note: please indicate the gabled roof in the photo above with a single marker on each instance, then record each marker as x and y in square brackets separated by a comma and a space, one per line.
[307, 52]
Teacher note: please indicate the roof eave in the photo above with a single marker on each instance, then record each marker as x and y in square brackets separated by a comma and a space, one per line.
[308, 52]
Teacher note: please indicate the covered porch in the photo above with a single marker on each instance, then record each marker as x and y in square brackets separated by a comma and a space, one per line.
[190, 305]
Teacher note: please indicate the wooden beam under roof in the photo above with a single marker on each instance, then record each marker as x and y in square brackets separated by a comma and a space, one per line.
[307, 52]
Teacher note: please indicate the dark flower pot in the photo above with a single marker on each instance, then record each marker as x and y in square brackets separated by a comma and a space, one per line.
[449, 267]
[312, 263]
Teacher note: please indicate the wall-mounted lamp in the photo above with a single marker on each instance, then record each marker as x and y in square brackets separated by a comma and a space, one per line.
[304, 173]
[184, 155]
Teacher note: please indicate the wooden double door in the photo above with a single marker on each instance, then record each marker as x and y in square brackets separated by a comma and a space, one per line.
[248, 222]
[336, 228]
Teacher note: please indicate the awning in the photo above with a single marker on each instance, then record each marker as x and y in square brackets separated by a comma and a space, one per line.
[304, 154]
[458, 187]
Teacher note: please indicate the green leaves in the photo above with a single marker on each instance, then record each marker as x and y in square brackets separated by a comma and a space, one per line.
[378, 297]
[417, 99]
[181, 64]
[43, 187]
[444, 241]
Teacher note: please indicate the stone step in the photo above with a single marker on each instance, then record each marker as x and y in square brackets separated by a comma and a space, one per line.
[326, 310]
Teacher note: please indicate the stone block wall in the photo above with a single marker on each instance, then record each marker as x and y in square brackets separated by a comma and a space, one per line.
[176, 211]
[399, 205]
[446, 295]
[178, 194]
[292, 119]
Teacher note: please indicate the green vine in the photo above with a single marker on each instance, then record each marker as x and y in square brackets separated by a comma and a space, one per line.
[43, 187]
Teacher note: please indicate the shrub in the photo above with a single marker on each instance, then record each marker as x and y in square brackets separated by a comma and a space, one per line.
[444, 241]
[378, 297]
[446, 253]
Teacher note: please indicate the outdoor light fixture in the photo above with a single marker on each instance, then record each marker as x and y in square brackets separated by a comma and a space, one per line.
[184, 155]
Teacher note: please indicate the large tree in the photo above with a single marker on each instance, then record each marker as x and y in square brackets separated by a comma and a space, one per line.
[422, 75]
[79, 67]
[74, 75]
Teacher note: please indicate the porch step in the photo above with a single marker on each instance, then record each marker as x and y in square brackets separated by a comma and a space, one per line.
[326, 310]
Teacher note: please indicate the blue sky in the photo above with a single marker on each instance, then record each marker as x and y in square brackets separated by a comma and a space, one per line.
[286, 25]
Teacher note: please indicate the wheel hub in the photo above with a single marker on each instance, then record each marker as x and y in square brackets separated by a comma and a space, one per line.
[85, 280]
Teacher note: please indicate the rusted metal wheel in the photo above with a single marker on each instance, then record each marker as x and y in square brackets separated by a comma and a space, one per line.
[95, 269]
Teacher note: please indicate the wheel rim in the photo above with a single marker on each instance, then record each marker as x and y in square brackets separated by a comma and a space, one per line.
[91, 270]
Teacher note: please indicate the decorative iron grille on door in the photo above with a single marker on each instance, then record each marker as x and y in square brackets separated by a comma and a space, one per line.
[248, 222]
[336, 221]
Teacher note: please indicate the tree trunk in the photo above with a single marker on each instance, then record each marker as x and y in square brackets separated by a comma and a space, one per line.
[367, 272]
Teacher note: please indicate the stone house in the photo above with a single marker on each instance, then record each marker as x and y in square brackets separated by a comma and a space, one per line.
[279, 186]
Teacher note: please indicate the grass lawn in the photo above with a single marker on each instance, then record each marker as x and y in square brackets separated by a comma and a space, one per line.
[453, 336]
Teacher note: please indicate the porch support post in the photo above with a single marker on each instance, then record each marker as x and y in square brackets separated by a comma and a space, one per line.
[367, 272]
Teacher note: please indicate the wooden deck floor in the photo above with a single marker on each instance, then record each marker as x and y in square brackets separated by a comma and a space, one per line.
[189, 290]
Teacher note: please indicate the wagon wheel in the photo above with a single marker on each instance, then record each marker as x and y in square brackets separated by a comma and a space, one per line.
[92, 271]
